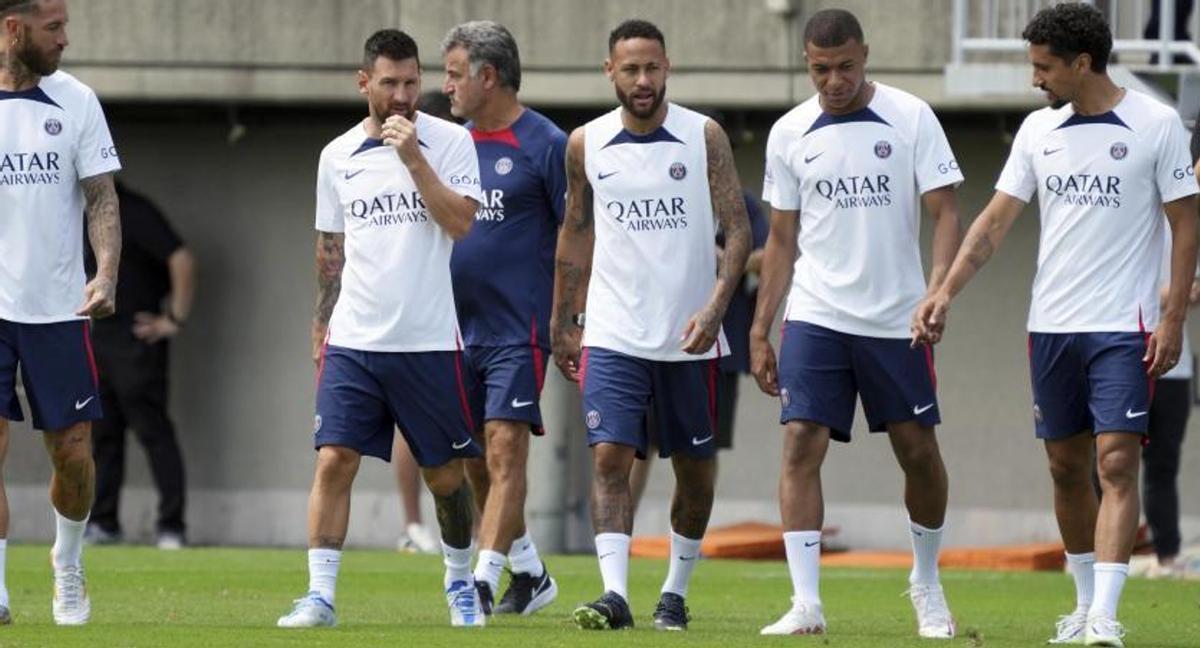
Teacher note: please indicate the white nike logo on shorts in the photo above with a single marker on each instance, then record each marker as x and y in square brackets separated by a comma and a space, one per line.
[517, 404]
[460, 446]
[918, 410]
[1130, 414]
[698, 441]
[83, 403]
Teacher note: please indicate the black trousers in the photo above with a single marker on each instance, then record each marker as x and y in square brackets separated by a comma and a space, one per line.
[133, 388]
[1160, 463]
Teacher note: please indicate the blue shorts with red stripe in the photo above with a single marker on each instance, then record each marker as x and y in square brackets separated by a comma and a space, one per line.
[507, 383]
[58, 371]
[822, 370]
[363, 395]
[1089, 381]
[619, 391]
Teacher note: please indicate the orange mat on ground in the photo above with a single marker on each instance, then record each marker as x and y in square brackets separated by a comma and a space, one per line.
[754, 540]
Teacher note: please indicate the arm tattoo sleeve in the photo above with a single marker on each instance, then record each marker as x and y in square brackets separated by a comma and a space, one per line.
[104, 222]
[331, 258]
[730, 209]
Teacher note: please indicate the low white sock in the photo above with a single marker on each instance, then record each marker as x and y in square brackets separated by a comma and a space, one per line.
[1110, 580]
[458, 563]
[685, 552]
[523, 556]
[323, 567]
[488, 566]
[1081, 567]
[3, 561]
[68, 541]
[926, 543]
[804, 564]
[612, 550]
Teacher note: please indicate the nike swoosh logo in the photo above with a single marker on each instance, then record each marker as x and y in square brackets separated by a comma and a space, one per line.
[460, 446]
[1051, 151]
[918, 410]
[1129, 413]
[808, 160]
[517, 404]
[687, 557]
[812, 544]
[80, 404]
[607, 175]
[495, 564]
[351, 174]
[696, 441]
[606, 555]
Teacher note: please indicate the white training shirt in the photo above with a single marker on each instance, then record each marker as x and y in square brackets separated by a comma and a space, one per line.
[856, 180]
[654, 263]
[1101, 183]
[396, 293]
[51, 137]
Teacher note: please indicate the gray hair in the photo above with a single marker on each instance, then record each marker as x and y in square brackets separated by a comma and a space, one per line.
[487, 42]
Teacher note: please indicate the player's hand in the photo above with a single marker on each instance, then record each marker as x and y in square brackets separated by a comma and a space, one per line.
[150, 328]
[318, 341]
[929, 320]
[566, 342]
[762, 364]
[401, 134]
[1163, 348]
[1194, 294]
[701, 331]
[99, 298]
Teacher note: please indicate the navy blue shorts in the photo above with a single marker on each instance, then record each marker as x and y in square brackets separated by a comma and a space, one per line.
[58, 371]
[363, 395]
[821, 371]
[619, 391]
[507, 383]
[1089, 381]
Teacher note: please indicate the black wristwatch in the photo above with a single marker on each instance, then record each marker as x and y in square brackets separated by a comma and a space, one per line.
[578, 319]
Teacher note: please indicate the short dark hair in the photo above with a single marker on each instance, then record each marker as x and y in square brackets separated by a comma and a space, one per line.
[389, 43]
[636, 28]
[10, 7]
[832, 28]
[1071, 29]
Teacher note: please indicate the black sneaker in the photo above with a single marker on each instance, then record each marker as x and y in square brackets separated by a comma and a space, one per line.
[527, 593]
[609, 612]
[671, 613]
[484, 590]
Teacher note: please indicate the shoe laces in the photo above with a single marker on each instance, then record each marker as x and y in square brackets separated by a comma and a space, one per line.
[464, 600]
[69, 586]
[930, 603]
[671, 606]
[1108, 626]
[1069, 625]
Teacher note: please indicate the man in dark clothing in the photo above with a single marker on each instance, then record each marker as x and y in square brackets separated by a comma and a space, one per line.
[131, 352]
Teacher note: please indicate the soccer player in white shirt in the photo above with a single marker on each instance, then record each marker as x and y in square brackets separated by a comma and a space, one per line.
[393, 193]
[845, 173]
[1105, 163]
[56, 160]
[646, 184]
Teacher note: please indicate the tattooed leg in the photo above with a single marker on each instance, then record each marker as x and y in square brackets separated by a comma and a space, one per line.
[693, 500]
[73, 481]
[612, 502]
[329, 501]
[453, 501]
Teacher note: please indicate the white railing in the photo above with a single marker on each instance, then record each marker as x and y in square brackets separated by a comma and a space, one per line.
[995, 26]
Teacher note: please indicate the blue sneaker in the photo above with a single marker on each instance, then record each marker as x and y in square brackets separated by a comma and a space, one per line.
[465, 611]
[311, 611]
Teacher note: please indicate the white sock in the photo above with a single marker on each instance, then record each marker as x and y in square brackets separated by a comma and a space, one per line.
[3, 561]
[612, 549]
[804, 564]
[1110, 579]
[488, 566]
[926, 544]
[1081, 568]
[458, 563]
[523, 556]
[685, 552]
[323, 571]
[68, 541]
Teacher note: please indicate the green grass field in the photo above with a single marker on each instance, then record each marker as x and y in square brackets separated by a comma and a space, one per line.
[231, 597]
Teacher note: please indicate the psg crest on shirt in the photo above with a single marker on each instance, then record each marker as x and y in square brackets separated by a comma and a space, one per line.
[678, 171]
[883, 149]
[1118, 151]
[53, 126]
[504, 165]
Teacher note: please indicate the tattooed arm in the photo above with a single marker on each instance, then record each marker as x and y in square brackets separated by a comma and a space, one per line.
[331, 258]
[104, 232]
[982, 240]
[730, 209]
[572, 262]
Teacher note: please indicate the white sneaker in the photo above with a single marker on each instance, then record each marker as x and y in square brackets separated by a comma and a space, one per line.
[934, 620]
[804, 618]
[170, 541]
[1070, 628]
[463, 600]
[1104, 631]
[311, 611]
[424, 540]
[70, 605]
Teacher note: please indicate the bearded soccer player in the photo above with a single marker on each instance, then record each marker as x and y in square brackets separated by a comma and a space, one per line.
[56, 160]
[393, 194]
[846, 172]
[503, 274]
[647, 183]
[1105, 163]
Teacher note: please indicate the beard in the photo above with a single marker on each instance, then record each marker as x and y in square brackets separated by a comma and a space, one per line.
[627, 102]
[38, 62]
[386, 109]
